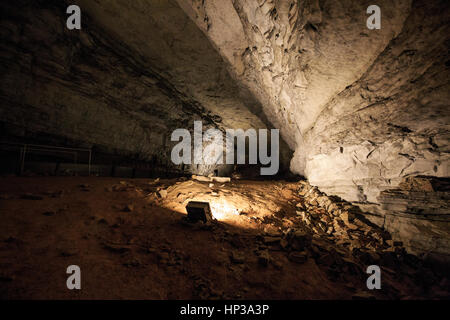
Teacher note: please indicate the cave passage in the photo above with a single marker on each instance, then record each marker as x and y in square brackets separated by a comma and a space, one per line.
[224, 150]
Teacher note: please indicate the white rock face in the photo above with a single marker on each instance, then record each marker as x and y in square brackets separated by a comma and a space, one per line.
[296, 57]
[361, 108]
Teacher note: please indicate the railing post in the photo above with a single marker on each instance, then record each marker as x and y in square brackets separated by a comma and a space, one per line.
[89, 165]
[22, 165]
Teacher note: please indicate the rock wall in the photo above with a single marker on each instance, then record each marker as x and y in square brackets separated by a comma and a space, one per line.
[393, 121]
[82, 86]
[417, 213]
[361, 108]
[122, 83]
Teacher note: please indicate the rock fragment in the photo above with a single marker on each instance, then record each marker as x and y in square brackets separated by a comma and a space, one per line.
[237, 257]
[298, 257]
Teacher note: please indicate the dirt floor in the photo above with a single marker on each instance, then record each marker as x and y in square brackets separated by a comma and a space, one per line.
[131, 241]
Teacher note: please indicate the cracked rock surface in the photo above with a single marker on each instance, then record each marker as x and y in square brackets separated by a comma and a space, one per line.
[361, 108]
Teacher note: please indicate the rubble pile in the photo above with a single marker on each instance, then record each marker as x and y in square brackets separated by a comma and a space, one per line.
[331, 216]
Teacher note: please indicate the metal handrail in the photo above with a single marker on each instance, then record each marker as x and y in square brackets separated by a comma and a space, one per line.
[35, 147]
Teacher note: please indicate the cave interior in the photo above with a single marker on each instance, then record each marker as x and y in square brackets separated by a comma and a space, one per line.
[355, 120]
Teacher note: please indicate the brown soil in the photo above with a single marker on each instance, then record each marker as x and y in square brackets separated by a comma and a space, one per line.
[131, 242]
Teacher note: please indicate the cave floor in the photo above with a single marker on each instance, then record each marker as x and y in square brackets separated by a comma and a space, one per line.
[130, 240]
